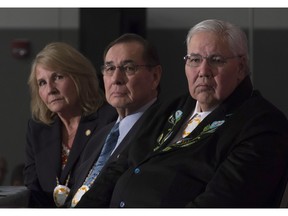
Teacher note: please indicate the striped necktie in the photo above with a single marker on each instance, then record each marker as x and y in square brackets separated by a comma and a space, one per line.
[108, 147]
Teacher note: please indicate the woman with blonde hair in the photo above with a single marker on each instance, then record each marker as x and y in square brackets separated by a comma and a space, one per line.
[67, 107]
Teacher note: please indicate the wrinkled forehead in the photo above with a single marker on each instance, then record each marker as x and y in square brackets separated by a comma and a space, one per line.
[123, 52]
[207, 43]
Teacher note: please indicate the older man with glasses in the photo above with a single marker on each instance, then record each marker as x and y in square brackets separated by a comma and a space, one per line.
[220, 145]
[131, 74]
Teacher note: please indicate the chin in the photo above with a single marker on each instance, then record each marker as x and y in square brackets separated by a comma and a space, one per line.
[205, 97]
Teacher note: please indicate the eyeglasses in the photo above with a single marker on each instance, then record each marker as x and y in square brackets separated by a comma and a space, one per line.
[128, 69]
[194, 60]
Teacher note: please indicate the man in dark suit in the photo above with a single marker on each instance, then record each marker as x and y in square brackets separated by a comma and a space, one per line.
[131, 74]
[222, 145]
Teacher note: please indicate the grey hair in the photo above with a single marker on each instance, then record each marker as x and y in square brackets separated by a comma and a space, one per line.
[229, 32]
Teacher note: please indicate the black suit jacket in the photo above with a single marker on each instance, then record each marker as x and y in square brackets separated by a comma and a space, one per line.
[236, 157]
[43, 154]
[96, 143]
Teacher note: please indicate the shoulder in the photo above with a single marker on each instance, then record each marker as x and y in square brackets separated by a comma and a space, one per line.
[178, 100]
[38, 126]
[258, 115]
[105, 114]
[39, 130]
[157, 117]
[261, 106]
[164, 107]
[171, 105]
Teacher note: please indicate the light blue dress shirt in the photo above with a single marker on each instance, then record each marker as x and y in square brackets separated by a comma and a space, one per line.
[128, 121]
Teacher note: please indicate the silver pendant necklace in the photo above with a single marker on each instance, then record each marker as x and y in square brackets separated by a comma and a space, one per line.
[61, 192]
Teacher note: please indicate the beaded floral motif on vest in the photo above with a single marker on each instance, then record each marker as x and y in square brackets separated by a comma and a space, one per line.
[172, 121]
[207, 130]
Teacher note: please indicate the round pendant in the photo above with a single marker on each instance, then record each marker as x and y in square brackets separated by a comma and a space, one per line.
[81, 191]
[60, 194]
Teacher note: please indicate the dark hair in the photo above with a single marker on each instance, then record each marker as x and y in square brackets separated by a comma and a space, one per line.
[150, 54]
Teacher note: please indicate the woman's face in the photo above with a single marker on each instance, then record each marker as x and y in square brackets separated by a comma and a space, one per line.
[57, 91]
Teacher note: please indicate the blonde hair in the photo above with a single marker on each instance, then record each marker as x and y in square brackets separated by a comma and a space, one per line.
[65, 59]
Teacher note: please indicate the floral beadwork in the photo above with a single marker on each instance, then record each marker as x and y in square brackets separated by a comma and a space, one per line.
[173, 120]
[211, 128]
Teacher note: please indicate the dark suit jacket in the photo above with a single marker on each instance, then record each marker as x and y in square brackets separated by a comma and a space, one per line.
[93, 148]
[43, 154]
[236, 157]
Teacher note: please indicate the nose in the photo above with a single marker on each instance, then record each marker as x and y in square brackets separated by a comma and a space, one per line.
[118, 76]
[51, 88]
[205, 69]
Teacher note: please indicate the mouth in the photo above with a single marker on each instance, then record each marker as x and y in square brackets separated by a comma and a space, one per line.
[204, 87]
[117, 94]
[55, 100]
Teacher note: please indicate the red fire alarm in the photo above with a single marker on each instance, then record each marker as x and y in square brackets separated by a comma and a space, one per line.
[20, 48]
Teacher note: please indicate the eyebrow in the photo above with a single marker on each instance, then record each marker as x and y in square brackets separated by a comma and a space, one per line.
[214, 54]
[122, 62]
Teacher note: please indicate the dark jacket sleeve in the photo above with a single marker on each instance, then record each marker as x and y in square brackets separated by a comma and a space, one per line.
[38, 198]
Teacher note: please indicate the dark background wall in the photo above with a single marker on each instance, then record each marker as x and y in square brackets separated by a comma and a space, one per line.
[98, 27]
[270, 65]
[91, 29]
[39, 27]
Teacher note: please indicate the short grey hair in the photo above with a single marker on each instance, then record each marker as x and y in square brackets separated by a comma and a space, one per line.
[229, 32]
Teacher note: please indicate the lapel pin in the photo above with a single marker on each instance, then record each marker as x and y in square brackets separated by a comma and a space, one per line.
[88, 132]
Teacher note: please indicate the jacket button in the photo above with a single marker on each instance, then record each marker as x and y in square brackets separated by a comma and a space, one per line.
[122, 204]
[137, 171]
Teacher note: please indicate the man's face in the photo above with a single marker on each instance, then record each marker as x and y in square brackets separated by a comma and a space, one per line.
[129, 92]
[210, 84]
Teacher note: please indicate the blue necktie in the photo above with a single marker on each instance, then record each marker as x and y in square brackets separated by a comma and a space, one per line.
[108, 147]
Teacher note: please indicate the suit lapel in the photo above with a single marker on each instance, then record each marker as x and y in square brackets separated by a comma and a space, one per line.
[174, 123]
[95, 145]
[209, 125]
[127, 139]
[204, 130]
[85, 130]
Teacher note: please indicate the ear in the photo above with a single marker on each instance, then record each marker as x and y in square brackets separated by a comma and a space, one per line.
[157, 73]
